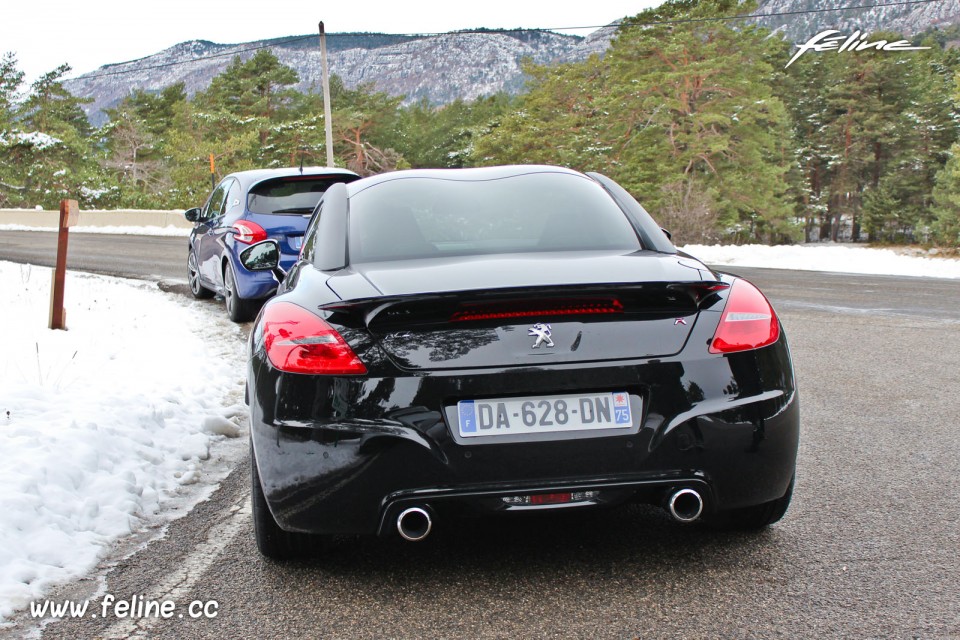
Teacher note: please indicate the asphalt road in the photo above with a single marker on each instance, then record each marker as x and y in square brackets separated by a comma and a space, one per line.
[867, 550]
[152, 257]
[164, 258]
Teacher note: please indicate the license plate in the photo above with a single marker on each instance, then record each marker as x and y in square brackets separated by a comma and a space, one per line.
[545, 414]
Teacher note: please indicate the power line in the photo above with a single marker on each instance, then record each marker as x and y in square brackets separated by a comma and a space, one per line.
[652, 23]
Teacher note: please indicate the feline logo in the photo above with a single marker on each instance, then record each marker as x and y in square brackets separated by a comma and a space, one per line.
[827, 41]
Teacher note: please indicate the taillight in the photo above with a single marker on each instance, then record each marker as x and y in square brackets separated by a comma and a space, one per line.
[297, 341]
[248, 232]
[748, 321]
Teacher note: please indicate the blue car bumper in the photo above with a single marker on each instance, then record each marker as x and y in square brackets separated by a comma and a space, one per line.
[255, 285]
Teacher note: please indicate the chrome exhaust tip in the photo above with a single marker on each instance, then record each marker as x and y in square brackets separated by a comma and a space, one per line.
[414, 524]
[685, 505]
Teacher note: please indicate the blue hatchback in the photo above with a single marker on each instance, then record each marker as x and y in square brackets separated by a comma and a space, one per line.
[245, 208]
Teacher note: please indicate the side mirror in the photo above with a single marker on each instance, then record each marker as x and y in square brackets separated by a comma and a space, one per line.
[667, 233]
[193, 215]
[263, 256]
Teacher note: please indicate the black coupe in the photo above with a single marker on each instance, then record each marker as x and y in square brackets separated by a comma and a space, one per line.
[507, 339]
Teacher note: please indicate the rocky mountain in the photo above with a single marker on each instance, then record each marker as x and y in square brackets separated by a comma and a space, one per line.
[908, 19]
[438, 68]
[444, 67]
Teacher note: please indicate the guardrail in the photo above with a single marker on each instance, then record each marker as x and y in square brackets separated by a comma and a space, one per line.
[95, 218]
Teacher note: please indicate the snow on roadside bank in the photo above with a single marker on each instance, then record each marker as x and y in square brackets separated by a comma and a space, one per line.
[102, 424]
[829, 257]
[168, 230]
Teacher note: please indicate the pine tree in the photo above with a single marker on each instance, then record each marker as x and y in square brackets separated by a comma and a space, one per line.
[946, 197]
[946, 193]
[156, 110]
[253, 93]
[52, 109]
[443, 136]
[49, 153]
[873, 128]
[681, 114]
[11, 79]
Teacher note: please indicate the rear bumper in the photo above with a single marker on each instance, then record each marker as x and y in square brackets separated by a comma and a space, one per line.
[255, 285]
[345, 455]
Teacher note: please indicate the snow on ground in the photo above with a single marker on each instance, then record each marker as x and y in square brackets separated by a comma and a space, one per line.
[169, 230]
[103, 425]
[827, 257]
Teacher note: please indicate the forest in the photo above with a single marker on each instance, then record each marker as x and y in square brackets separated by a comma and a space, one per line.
[698, 118]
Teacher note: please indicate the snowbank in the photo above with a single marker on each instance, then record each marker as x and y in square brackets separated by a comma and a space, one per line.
[169, 230]
[838, 258]
[100, 425]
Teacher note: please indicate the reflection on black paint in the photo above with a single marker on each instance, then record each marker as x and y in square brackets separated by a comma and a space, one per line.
[444, 346]
[695, 393]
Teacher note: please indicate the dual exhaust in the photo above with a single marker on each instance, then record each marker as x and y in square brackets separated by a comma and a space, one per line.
[684, 505]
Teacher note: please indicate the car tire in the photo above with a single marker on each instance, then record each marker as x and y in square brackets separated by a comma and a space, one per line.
[272, 541]
[757, 517]
[199, 291]
[239, 309]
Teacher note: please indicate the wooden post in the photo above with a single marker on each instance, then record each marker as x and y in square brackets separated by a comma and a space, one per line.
[69, 214]
[213, 173]
[325, 81]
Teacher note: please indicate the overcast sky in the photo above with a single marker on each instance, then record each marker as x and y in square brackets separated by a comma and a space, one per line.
[90, 33]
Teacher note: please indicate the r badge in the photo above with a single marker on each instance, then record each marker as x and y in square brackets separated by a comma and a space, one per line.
[542, 332]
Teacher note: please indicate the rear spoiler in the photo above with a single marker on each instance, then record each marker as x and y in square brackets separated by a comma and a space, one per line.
[668, 299]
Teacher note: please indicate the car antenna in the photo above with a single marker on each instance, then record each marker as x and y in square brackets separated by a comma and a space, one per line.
[301, 160]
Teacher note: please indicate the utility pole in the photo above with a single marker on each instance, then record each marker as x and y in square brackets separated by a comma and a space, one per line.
[327, 123]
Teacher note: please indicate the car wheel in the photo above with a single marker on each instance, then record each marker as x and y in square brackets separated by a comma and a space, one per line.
[199, 291]
[756, 517]
[272, 541]
[239, 310]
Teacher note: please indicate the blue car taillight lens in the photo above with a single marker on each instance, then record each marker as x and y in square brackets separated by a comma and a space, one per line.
[297, 341]
[249, 232]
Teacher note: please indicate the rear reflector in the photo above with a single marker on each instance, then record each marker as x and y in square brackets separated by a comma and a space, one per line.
[540, 499]
[532, 309]
[297, 341]
[748, 321]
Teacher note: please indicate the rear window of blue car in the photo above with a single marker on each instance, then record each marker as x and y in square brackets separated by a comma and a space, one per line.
[292, 195]
[422, 217]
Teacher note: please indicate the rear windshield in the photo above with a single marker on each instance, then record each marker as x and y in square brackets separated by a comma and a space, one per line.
[293, 195]
[415, 217]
